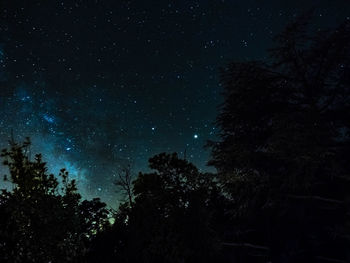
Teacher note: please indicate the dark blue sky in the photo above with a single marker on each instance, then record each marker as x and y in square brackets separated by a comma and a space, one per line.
[100, 83]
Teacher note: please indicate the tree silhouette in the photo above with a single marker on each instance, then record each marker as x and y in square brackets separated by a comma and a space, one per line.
[169, 220]
[283, 156]
[281, 193]
[41, 219]
[124, 182]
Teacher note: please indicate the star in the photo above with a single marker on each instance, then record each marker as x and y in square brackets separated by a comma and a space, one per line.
[134, 87]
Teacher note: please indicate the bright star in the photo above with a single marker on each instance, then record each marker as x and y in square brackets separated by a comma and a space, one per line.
[195, 136]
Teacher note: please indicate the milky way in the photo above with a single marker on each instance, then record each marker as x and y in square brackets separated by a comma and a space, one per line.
[99, 84]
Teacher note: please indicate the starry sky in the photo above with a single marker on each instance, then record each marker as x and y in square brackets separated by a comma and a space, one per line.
[97, 84]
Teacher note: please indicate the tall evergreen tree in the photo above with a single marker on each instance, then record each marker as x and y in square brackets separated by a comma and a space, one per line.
[283, 156]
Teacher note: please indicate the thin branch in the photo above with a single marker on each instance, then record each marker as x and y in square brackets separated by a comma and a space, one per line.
[245, 245]
[124, 181]
[331, 259]
[314, 197]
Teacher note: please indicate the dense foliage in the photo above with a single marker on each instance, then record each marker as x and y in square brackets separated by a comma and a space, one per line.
[169, 219]
[284, 150]
[281, 192]
[43, 220]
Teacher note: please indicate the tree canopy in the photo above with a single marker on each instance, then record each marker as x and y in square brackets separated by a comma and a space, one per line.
[42, 219]
[283, 153]
[171, 210]
[280, 194]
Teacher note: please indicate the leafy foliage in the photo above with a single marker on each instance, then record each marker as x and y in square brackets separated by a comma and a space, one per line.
[170, 217]
[41, 222]
[281, 193]
[283, 154]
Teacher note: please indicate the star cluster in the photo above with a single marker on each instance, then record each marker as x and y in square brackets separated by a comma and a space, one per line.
[97, 84]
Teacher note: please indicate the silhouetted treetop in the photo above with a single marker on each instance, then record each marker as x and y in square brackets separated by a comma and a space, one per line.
[171, 209]
[295, 106]
[42, 219]
[283, 153]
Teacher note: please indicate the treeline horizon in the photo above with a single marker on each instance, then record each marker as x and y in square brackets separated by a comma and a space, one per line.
[280, 193]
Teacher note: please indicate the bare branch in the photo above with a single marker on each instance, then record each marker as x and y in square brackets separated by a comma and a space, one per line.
[318, 198]
[124, 182]
[246, 245]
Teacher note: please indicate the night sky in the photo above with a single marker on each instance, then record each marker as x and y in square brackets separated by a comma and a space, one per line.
[98, 84]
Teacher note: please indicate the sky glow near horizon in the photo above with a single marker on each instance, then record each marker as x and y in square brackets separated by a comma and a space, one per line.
[97, 84]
